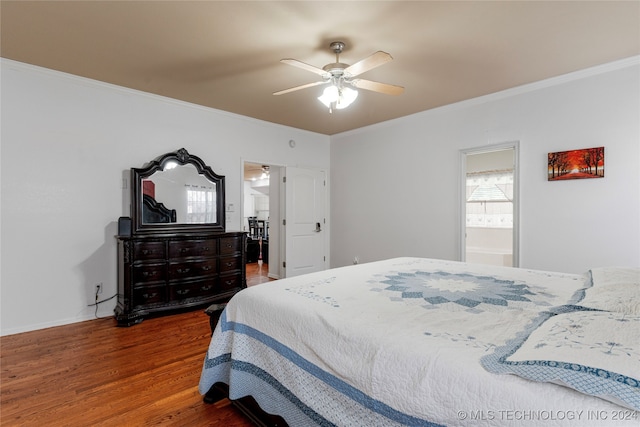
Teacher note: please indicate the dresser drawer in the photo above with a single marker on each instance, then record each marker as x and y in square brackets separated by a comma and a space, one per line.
[230, 281]
[199, 288]
[143, 251]
[230, 263]
[192, 248]
[168, 270]
[148, 273]
[149, 295]
[187, 269]
[230, 245]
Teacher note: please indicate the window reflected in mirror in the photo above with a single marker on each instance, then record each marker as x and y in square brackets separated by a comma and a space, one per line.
[183, 190]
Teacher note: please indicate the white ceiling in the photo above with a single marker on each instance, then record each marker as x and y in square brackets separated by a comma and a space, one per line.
[226, 55]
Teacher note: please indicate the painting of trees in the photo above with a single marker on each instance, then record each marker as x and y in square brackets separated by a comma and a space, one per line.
[576, 164]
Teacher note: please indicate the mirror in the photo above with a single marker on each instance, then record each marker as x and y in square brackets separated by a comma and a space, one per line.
[177, 192]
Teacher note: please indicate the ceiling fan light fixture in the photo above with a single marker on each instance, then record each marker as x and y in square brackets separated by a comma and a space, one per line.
[346, 98]
[265, 172]
[338, 74]
[338, 98]
[329, 96]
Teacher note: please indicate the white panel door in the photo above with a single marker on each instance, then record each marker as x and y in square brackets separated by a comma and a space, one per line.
[304, 221]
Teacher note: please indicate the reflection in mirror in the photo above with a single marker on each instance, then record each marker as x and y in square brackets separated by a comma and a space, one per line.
[154, 212]
[177, 192]
[183, 190]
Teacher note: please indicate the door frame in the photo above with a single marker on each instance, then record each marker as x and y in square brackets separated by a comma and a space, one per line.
[462, 189]
[275, 271]
[279, 272]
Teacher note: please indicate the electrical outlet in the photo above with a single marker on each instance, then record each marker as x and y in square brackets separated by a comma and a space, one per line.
[356, 260]
[98, 288]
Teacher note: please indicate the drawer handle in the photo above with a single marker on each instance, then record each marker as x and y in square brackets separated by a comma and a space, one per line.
[183, 270]
[149, 296]
[206, 268]
[229, 245]
[182, 291]
[230, 264]
[149, 273]
[145, 252]
[206, 288]
[184, 250]
[229, 282]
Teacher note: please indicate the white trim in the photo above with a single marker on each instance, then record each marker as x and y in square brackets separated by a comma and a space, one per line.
[56, 323]
[462, 183]
[462, 217]
[85, 81]
[276, 270]
[518, 90]
[552, 81]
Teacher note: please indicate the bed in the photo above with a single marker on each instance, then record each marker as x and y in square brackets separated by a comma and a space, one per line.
[413, 341]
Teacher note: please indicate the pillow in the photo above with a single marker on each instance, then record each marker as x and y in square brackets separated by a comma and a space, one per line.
[621, 298]
[615, 275]
[614, 289]
[594, 352]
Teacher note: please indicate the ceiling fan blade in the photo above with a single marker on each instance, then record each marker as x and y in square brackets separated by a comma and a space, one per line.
[282, 92]
[305, 66]
[377, 87]
[368, 63]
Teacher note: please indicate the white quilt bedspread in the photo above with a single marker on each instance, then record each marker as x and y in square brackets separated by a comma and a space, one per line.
[397, 342]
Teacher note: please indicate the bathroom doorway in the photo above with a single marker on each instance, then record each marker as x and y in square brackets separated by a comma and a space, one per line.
[489, 205]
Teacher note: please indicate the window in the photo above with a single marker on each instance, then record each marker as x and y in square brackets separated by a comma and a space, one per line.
[490, 199]
[201, 203]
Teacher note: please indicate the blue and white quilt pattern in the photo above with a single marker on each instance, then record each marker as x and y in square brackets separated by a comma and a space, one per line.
[592, 346]
[390, 343]
[434, 288]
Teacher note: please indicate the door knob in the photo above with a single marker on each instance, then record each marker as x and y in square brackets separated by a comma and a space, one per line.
[318, 228]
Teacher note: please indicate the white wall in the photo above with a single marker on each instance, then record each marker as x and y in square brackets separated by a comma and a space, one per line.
[394, 186]
[66, 142]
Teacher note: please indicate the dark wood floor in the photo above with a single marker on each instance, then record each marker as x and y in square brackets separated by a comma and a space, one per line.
[95, 374]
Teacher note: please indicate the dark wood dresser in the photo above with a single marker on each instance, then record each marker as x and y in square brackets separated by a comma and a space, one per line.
[159, 273]
[174, 252]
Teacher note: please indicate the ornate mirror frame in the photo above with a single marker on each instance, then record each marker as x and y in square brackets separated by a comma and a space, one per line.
[180, 157]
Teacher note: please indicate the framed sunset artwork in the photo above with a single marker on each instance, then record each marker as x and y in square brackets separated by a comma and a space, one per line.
[576, 164]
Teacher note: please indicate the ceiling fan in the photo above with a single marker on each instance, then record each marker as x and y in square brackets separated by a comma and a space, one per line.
[340, 76]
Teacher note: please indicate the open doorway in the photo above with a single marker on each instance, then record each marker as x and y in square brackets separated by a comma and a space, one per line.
[261, 217]
[291, 234]
[489, 205]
